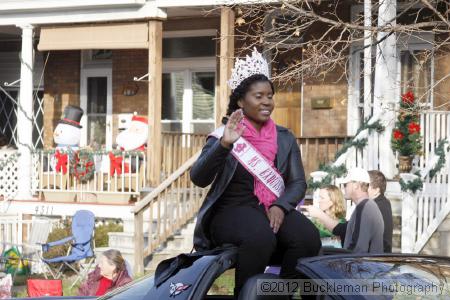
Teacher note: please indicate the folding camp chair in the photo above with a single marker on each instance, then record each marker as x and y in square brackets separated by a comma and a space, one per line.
[81, 247]
[30, 249]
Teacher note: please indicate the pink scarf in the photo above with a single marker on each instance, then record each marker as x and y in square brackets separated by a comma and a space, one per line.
[265, 141]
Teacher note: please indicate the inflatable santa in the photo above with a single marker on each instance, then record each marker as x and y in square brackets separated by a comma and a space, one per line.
[67, 137]
[134, 138]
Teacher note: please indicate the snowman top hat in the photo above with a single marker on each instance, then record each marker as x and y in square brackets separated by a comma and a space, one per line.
[72, 115]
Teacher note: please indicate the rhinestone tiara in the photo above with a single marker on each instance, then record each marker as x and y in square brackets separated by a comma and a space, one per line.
[244, 68]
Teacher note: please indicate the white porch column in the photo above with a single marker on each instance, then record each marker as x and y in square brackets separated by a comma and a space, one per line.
[409, 216]
[25, 114]
[367, 58]
[369, 153]
[385, 89]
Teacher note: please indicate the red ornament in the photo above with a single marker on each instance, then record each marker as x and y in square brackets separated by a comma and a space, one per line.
[408, 98]
[398, 135]
[413, 128]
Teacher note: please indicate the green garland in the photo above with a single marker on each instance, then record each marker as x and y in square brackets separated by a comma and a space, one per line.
[417, 184]
[333, 172]
[413, 186]
[12, 158]
[440, 151]
[340, 171]
[93, 152]
[314, 185]
[360, 144]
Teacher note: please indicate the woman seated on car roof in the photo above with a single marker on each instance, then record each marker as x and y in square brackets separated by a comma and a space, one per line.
[251, 203]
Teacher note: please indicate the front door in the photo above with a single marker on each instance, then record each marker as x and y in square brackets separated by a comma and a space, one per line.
[96, 101]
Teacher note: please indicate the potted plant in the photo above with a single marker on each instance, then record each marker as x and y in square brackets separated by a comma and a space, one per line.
[406, 139]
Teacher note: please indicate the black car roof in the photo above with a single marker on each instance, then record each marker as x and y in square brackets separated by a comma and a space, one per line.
[314, 266]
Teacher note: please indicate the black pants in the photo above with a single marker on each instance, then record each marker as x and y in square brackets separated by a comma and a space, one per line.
[248, 227]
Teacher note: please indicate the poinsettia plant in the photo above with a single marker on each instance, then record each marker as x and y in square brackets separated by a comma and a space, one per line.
[406, 139]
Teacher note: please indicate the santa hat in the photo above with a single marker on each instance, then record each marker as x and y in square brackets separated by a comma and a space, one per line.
[139, 119]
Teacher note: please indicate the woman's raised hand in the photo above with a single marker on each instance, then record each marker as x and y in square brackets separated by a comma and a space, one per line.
[233, 129]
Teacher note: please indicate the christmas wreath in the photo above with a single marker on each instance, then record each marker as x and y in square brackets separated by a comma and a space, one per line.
[82, 166]
[406, 138]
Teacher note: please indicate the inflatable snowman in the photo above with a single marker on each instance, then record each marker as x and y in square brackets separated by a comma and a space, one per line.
[67, 137]
[68, 131]
[134, 138]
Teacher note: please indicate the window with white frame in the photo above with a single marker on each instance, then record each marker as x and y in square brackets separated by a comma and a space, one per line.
[416, 73]
[188, 84]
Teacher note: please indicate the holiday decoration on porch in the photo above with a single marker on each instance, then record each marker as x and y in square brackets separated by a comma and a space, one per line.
[115, 164]
[414, 182]
[67, 137]
[68, 131]
[406, 139]
[133, 138]
[337, 169]
[82, 166]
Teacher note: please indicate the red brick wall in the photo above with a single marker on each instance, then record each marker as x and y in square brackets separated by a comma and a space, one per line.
[442, 90]
[126, 64]
[62, 87]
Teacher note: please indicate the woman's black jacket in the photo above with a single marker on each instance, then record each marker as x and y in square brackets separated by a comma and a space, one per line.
[216, 165]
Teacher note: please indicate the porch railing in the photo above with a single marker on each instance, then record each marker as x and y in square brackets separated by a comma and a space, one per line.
[114, 178]
[164, 211]
[319, 150]
[13, 229]
[423, 212]
[178, 147]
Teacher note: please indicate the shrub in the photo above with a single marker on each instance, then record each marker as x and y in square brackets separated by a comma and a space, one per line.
[101, 233]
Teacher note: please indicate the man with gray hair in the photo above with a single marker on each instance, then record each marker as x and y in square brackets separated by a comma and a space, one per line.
[365, 228]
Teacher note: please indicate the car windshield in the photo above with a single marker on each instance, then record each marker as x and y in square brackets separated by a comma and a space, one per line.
[136, 290]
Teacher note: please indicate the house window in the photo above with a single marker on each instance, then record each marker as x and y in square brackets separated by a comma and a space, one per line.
[188, 101]
[416, 74]
[96, 58]
[203, 89]
[184, 47]
[188, 84]
[172, 101]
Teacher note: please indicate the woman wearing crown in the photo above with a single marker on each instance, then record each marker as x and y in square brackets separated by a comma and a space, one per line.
[257, 180]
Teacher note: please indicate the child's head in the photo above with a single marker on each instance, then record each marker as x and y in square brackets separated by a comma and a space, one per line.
[377, 184]
[332, 201]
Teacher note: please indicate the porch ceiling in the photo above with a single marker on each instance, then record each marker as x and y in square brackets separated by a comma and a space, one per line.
[9, 33]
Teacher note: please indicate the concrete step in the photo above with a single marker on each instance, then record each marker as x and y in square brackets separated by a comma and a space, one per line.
[181, 243]
[189, 230]
[123, 240]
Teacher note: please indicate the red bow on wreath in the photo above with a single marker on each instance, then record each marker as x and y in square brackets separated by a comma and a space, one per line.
[61, 163]
[115, 165]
